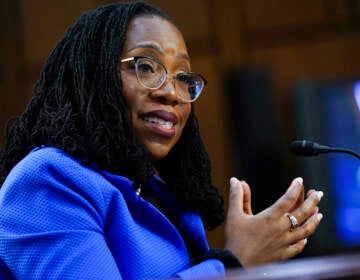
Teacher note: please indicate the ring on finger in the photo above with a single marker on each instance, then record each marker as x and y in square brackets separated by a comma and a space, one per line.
[293, 222]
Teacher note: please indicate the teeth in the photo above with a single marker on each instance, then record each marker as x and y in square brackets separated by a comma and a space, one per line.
[164, 124]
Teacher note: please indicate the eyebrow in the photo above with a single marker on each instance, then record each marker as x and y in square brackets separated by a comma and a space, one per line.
[159, 49]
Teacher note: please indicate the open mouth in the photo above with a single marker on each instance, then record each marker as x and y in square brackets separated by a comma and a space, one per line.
[163, 123]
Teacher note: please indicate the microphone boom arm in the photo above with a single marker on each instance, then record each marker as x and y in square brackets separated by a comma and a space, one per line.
[346, 151]
[309, 148]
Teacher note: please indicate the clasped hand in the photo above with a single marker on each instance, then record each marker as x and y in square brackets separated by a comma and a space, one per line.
[266, 237]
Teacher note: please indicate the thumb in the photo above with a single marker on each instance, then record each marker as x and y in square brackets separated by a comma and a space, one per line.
[293, 196]
[247, 198]
[236, 197]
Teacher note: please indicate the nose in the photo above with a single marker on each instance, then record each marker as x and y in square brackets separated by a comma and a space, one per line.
[166, 93]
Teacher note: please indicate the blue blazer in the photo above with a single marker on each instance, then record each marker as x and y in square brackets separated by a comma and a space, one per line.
[62, 220]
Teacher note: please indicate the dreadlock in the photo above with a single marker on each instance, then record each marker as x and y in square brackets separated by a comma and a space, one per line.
[78, 107]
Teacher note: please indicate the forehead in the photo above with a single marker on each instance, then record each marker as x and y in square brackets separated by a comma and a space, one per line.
[149, 29]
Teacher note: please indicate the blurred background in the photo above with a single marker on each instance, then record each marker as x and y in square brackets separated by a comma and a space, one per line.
[278, 70]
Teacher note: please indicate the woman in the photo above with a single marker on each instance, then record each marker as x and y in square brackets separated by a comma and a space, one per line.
[105, 176]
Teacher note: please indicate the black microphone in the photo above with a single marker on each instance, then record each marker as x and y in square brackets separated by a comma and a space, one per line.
[309, 148]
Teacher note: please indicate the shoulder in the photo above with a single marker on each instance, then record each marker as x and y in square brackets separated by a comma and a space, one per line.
[47, 191]
[41, 166]
[48, 167]
[48, 181]
[52, 168]
[45, 159]
[49, 162]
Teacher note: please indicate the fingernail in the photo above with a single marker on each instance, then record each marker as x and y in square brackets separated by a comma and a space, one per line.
[233, 182]
[320, 194]
[300, 181]
[319, 216]
[305, 241]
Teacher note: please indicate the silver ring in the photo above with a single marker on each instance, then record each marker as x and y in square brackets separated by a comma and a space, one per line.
[293, 221]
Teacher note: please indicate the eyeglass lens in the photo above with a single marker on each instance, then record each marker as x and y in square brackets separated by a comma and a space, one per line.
[152, 74]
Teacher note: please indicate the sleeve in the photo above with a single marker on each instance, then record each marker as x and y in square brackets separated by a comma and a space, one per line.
[225, 256]
[50, 228]
[215, 262]
[211, 268]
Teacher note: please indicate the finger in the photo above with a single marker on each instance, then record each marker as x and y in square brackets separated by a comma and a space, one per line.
[235, 197]
[300, 199]
[247, 198]
[295, 249]
[286, 202]
[307, 228]
[307, 209]
[316, 211]
[309, 192]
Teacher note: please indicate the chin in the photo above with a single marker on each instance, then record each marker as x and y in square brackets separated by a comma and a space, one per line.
[157, 153]
[157, 156]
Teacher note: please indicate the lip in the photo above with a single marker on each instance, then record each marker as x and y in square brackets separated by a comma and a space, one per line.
[156, 127]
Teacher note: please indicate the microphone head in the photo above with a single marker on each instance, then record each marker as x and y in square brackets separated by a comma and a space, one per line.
[304, 148]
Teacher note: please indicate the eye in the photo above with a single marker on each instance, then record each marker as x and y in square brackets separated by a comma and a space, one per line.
[146, 66]
[186, 78]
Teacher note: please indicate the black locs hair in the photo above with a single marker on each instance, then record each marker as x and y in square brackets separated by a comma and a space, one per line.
[78, 107]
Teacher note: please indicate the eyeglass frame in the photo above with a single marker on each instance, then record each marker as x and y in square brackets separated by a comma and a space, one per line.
[174, 77]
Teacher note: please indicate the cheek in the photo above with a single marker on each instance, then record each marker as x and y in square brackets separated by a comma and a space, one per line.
[129, 94]
[185, 113]
[130, 89]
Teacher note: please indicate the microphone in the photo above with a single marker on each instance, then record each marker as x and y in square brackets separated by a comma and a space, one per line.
[309, 148]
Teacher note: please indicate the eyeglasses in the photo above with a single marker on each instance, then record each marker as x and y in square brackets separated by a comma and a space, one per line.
[151, 74]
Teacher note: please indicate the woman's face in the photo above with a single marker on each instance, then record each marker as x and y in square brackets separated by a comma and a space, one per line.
[158, 116]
